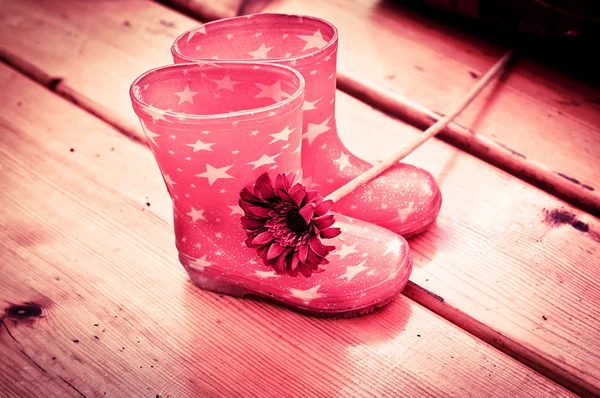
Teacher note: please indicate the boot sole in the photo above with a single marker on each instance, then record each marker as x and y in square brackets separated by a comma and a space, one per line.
[233, 290]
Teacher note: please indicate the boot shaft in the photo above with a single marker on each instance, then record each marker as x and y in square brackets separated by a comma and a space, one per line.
[304, 43]
[213, 129]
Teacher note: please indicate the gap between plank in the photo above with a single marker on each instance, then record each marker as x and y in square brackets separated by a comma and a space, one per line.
[539, 175]
[412, 291]
[56, 85]
[479, 330]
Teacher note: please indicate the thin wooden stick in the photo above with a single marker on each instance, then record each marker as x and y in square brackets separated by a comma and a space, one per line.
[422, 138]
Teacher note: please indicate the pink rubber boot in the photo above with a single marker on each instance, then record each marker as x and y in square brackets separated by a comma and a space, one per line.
[227, 137]
[404, 199]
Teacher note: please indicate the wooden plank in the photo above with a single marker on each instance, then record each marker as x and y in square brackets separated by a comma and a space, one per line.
[118, 316]
[218, 9]
[81, 31]
[529, 124]
[502, 256]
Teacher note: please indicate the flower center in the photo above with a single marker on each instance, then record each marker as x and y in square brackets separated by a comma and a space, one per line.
[295, 222]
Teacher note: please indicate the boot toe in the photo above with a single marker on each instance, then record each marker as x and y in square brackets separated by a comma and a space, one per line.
[404, 199]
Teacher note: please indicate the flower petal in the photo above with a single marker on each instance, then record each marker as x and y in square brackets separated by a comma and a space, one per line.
[252, 223]
[253, 210]
[279, 265]
[295, 259]
[330, 233]
[324, 207]
[313, 258]
[303, 253]
[290, 177]
[248, 195]
[262, 238]
[324, 222]
[263, 183]
[307, 212]
[317, 246]
[297, 194]
[281, 183]
[304, 270]
[275, 250]
[310, 197]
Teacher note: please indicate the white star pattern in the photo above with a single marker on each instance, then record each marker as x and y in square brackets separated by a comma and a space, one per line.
[309, 106]
[201, 263]
[403, 214]
[213, 173]
[200, 29]
[201, 146]
[306, 295]
[353, 270]
[186, 95]
[283, 135]
[225, 84]
[264, 160]
[151, 135]
[196, 215]
[315, 130]
[261, 52]
[346, 250]
[229, 36]
[236, 210]
[426, 188]
[343, 161]
[169, 181]
[273, 91]
[393, 246]
[155, 113]
[313, 41]
[266, 274]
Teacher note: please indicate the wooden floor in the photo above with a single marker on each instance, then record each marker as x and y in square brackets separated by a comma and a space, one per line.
[504, 299]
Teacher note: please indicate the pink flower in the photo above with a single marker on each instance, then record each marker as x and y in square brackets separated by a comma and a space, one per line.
[285, 224]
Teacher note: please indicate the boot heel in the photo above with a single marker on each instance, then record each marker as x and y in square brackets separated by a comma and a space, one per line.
[204, 282]
[216, 286]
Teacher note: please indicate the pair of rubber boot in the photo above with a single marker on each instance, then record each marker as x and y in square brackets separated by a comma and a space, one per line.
[243, 130]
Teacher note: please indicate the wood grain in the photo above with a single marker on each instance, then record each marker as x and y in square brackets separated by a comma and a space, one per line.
[120, 318]
[530, 124]
[496, 261]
